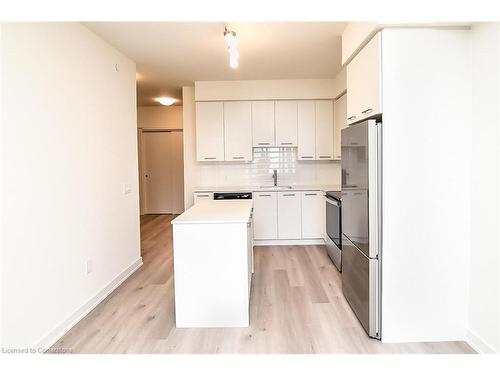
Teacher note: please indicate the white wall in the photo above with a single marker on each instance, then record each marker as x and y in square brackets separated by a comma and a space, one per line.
[354, 35]
[271, 89]
[69, 144]
[426, 189]
[151, 117]
[191, 166]
[484, 298]
[224, 174]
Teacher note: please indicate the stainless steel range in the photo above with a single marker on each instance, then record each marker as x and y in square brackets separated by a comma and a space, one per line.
[334, 227]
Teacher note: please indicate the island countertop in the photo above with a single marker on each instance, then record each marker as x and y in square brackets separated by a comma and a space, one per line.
[217, 212]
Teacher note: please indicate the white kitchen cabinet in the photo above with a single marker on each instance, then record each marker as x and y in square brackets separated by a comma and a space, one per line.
[306, 130]
[265, 215]
[363, 82]
[263, 123]
[339, 123]
[286, 122]
[313, 208]
[324, 129]
[202, 196]
[289, 215]
[212, 263]
[209, 131]
[238, 131]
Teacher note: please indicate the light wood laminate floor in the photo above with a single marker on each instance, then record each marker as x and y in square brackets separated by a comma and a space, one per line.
[297, 306]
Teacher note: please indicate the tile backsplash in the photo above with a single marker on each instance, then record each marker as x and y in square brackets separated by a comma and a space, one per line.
[260, 170]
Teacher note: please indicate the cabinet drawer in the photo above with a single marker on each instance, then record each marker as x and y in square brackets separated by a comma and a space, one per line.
[203, 196]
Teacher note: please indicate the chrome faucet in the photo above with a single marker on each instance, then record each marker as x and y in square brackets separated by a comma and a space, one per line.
[275, 177]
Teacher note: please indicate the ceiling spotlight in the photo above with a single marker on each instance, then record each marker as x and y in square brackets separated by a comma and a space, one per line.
[232, 42]
[166, 101]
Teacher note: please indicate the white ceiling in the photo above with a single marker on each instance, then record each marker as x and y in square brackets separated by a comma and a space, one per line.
[170, 55]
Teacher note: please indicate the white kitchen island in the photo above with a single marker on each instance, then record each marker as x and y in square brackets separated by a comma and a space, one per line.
[213, 264]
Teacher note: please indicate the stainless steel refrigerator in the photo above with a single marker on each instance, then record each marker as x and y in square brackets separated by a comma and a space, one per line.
[361, 222]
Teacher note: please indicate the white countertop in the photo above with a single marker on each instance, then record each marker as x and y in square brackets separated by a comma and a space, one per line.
[217, 212]
[259, 188]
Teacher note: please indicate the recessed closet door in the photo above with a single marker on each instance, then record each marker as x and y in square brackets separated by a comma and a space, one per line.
[162, 172]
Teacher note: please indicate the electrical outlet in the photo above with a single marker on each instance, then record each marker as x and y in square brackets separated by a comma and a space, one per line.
[127, 189]
[88, 267]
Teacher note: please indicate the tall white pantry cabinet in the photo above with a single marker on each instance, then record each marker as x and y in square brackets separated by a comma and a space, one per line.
[420, 81]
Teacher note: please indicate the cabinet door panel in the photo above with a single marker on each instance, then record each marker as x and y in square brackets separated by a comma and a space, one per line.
[339, 122]
[238, 131]
[209, 131]
[354, 78]
[363, 82]
[265, 216]
[263, 123]
[286, 123]
[324, 129]
[313, 208]
[289, 216]
[306, 130]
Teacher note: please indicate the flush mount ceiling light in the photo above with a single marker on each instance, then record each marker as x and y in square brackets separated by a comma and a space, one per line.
[231, 41]
[165, 101]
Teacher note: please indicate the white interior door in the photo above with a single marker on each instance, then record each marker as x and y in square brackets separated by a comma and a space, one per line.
[163, 176]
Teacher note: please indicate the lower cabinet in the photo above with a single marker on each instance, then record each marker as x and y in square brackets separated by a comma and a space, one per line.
[265, 216]
[284, 215]
[313, 212]
[289, 215]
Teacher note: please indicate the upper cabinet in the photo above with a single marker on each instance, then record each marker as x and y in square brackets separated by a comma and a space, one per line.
[306, 126]
[315, 130]
[339, 123]
[263, 123]
[209, 131]
[237, 131]
[363, 82]
[227, 131]
[286, 123]
[324, 129]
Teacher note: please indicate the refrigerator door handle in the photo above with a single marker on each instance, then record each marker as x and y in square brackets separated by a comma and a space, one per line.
[331, 201]
[374, 189]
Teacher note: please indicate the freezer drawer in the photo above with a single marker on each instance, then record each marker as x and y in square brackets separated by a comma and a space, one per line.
[360, 286]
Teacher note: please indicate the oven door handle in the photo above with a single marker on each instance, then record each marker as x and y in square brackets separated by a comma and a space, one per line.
[331, 201]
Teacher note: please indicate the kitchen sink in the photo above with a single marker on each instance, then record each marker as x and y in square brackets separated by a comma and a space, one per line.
[272, 187]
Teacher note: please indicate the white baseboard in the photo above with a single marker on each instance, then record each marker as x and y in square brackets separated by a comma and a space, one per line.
[318, 241]
[478, 344]
[51, 338]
